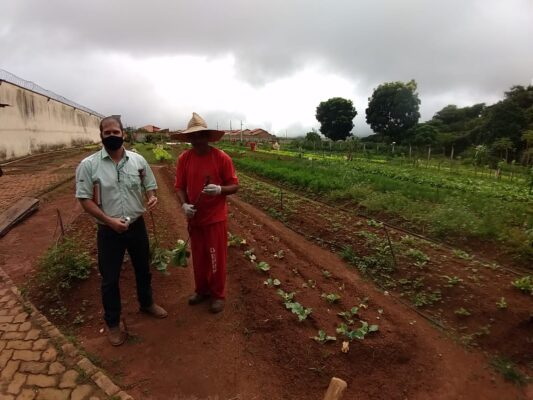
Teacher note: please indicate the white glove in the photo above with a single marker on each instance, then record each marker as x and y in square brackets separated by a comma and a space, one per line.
[188, 209]
[212, 190]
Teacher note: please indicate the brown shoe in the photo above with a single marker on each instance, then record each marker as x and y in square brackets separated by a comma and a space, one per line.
[155, 311]
[197, 298]
[116, 336]
[217, 306]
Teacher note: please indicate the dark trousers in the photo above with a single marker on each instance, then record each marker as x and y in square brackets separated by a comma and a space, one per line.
[111, 249]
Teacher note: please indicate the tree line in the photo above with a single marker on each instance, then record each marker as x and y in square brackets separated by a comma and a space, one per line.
[492, 133]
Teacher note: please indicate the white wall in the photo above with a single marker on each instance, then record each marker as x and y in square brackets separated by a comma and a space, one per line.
[32, 123]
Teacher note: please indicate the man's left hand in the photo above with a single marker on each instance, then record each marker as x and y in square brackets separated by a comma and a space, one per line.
[212, 190]
[152, 201]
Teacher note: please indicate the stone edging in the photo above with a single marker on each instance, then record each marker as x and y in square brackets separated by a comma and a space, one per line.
[72, 356]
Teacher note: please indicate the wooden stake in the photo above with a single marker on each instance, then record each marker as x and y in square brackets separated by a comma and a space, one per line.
[336, 389]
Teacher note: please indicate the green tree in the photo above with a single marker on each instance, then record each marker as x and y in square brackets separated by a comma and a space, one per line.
[313, 136]
[503, 145]
[336, 118]
[504, 119]
[393, 109]
[424, 135]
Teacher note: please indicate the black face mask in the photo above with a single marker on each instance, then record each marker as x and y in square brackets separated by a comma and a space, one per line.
[113, 142]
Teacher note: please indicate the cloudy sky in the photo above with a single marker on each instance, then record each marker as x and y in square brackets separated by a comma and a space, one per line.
[268, 63]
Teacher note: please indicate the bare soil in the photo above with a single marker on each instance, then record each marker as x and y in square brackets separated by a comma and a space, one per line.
[256, 349]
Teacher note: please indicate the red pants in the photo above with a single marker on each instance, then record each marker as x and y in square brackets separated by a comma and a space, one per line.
[209, 246]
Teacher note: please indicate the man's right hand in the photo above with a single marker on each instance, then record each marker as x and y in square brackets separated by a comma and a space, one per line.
[188, 209]
[118, 225]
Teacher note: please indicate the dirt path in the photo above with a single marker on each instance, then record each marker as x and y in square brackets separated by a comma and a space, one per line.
[257, 349]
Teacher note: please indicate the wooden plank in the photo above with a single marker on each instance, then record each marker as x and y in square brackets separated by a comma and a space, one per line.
[16, 213]
[336, 389]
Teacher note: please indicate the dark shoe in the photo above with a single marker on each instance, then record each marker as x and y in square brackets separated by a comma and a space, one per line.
[197, 298]
[155, 311]
[217, 306]
[116, 336]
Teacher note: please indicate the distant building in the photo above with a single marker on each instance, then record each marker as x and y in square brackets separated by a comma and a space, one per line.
[151, 128]
[254, 135]
[34, 119]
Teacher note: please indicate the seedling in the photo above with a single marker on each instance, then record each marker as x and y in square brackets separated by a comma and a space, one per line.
[279, 255]
[287, 297]
[451, 281]
[348, 315]
[525, 284]
[374, 223]
[299, 310]
[326, 273]
[234, 240]
[359, 333]
[462, 254]
[417, 255]
[250, 254]
[263, 266]
[272, 282]
[180, 254]
[331, 298]
[323, 337]
[501, 304]
[462, 312]
[160, 258]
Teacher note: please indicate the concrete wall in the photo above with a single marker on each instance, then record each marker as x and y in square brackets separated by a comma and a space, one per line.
[32, 123]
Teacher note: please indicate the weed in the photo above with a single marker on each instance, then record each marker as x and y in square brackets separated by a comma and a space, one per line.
[323, 337]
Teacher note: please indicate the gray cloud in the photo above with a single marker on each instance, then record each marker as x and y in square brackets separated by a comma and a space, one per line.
[457, 51]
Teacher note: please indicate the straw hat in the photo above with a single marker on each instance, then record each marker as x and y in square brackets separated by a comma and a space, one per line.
[195, 126]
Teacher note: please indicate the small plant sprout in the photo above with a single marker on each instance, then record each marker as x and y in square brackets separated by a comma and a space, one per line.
[462, 254]
[279, 255]
[525, 284]
[250, 254]
[299, 310]
[359, 333]
[234, 240]
[287, 297]
[331, 297]
[272, 282]
[348, 315]
[501, 304]
[419, 256]
[326, 274]
[451, 281]
[462, 312]
[263, 266]
[375, 224]
[323, 337]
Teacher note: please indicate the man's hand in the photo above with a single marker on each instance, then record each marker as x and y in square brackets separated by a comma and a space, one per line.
[117, 225]
[212, 190]
[188, 209]
[152, 201]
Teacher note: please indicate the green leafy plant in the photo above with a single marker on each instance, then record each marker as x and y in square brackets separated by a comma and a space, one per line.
[451, 281]
[359, 333]
[299, 310]
[348, 315]
[323, 337]
[462, 254]
[417, 255]
[161, 154]
[326, 273]
[374, 223]
[234, 240]
[262, 266]
[272, 282]
[160, 258]
[250, 254]
[180, 254]
[287, 297]
[501, 304]
[424, 298]
[462, 312]
[331, 297]
[61, 265]
[279, 255]
[525, 284]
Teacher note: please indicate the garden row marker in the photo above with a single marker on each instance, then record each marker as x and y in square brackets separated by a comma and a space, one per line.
[336, 389]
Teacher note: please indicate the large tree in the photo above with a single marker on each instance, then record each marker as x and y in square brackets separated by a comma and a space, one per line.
[393, 109]
[336, 118]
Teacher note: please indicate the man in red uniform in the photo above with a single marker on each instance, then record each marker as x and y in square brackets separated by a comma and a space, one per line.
[204, 177]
